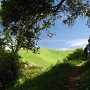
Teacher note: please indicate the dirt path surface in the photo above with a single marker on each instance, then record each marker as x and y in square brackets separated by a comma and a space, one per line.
[73, 83]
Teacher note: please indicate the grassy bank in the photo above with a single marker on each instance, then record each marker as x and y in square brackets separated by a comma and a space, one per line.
[55, 78]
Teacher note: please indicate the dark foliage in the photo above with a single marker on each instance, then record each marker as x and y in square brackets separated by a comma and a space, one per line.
[9, 69]
[78, 54]
[25, 19]
[85, 77]
[2, 44]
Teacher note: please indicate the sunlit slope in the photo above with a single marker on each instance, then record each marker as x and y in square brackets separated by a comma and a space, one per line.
[45, 58]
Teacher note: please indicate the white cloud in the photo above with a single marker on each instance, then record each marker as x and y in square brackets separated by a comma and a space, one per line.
[77, 42]
[64, 49]
[52, 41]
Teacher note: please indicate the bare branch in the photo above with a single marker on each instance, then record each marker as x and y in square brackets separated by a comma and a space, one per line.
[58, 6]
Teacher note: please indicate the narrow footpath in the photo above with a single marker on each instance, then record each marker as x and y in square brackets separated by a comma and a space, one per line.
[73, 83]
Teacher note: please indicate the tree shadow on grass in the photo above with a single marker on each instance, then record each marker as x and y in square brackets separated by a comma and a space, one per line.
[54, 79]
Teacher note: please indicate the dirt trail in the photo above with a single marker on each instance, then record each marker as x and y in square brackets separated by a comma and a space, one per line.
[73, 83]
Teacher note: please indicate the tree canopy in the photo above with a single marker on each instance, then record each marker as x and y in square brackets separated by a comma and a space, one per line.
[23, 20]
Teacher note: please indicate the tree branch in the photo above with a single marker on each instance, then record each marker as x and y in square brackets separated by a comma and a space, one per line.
[58, 6]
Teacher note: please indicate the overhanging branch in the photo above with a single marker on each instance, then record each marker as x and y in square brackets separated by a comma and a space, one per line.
[58, 5]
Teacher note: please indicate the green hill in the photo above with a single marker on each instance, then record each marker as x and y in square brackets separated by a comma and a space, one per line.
[62, 76]
[46, 57]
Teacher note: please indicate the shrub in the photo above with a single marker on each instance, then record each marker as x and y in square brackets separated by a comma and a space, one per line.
[76, 55]
[85, 81]
[9, 69]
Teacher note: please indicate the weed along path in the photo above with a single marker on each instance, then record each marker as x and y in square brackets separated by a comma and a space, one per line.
[74, 76]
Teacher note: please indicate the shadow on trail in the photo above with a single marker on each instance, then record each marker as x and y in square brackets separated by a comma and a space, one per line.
[54, 79]
[79, 78]
[74, 76]
[85, 77]
[60, 77]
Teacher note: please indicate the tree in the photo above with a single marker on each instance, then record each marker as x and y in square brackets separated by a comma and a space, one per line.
[22, 24]
[23, 20]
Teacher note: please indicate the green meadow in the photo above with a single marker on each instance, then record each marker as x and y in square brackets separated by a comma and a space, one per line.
[45, 58]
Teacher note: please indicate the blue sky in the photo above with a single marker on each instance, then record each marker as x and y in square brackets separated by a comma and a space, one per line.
[67, 37]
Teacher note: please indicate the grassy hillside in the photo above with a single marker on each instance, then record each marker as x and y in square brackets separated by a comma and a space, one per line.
[62, 76]
[46, 57]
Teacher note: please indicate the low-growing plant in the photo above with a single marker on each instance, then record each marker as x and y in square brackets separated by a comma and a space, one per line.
[30, 71]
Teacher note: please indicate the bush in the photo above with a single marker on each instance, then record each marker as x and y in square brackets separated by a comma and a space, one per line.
[85, 81]
[78, 54]
[9, 69]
